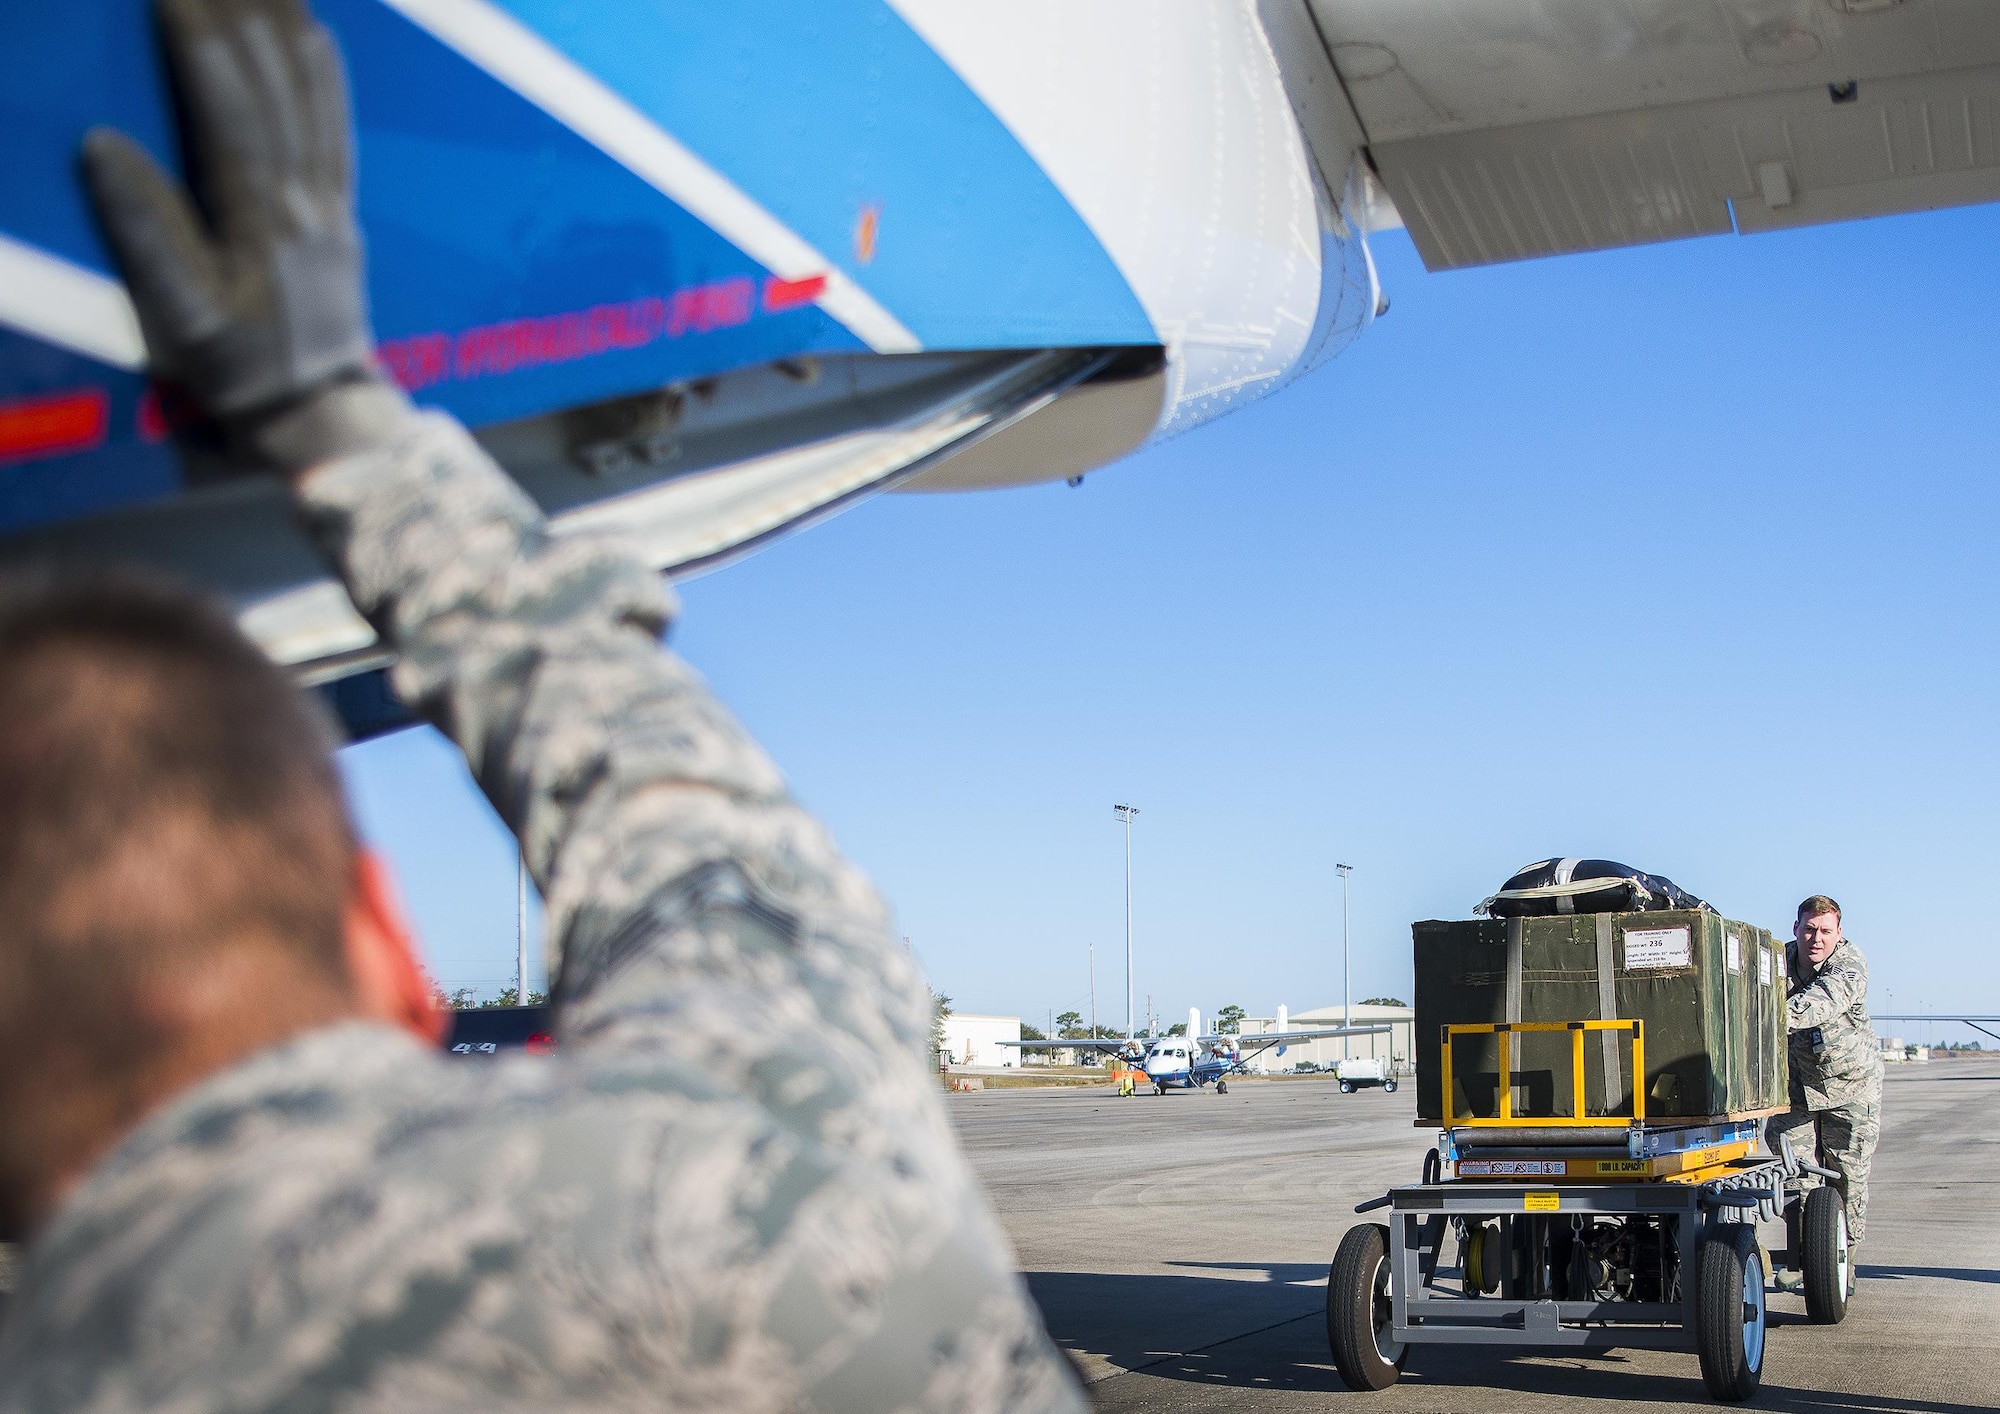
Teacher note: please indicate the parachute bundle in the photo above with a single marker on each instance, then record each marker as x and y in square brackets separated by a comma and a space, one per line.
[1584, 886]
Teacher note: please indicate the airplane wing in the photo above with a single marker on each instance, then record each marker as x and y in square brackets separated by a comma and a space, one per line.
[1059, 1044]
[1264, 1040]
[1977, 1023]
[1510, 129]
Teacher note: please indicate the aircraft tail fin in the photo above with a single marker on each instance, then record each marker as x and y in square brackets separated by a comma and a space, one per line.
[1194, 1024]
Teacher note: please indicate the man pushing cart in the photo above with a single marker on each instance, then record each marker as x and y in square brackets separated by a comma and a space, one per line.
[1599, 1081]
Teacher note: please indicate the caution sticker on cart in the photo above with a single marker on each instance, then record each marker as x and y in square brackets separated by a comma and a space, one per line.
[1541, 1202]
[1512, 1168]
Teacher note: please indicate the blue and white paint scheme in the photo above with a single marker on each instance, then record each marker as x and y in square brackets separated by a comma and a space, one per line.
[700, 272]
[710, 272]
[1198, 1058]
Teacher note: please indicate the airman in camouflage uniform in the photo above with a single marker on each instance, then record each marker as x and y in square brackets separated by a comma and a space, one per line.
[734, 1187]
[1836, 1062]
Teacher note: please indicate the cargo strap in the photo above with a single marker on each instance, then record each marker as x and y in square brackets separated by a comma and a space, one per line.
[1513, 969]
[1564, 903]
[1642, 897]
[1607, 1009]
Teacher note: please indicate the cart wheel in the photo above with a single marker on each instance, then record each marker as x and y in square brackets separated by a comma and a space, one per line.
[1222, 1087]
[1347, 1087]
[1358, 1311]
[1482, 1260]
[1825, 1259]
[1729, 1311]
[1390, 1086]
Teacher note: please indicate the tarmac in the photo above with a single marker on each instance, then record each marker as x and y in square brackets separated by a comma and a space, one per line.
[1179, 1244]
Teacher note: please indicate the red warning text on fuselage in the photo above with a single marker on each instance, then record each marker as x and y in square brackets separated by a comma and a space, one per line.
[512, 345]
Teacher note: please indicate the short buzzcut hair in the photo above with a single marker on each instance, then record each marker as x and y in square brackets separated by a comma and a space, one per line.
[1818, 904]
[166, 793]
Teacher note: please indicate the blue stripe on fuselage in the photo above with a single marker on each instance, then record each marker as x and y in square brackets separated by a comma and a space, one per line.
[495, 229]
[482, 209]
[495, 234]
[818, 112]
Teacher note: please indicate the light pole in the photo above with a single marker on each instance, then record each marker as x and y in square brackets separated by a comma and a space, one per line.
[520, 927]
[1126, 815]
[1091, 946]
[1346, 962]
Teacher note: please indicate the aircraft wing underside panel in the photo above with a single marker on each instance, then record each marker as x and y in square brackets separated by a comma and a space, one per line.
[1770, 162]
[1520, 128]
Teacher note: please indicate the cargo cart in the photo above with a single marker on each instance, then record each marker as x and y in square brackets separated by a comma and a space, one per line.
[1581, 1231]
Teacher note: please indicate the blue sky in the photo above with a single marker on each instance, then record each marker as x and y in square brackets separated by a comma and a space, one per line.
[1678, 555]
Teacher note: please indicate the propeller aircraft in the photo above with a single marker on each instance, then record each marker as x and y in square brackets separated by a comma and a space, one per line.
[1198, 1058]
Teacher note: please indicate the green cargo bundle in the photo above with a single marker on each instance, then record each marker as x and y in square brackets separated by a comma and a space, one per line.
[1711, 993]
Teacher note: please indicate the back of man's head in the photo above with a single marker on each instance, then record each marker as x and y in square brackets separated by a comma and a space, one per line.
[175, 860]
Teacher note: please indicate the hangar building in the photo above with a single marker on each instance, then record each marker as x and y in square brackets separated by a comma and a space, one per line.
[971, 1039]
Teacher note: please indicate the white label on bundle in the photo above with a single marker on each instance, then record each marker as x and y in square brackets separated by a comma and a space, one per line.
[1657, 947]
[1735, 950]
[1764, 966]
[1781, 962]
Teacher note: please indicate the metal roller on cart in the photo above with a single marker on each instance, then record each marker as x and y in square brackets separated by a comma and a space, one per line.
[1578, 1231]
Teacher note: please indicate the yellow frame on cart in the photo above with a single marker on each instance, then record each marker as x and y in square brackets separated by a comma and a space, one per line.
[1503, 1031]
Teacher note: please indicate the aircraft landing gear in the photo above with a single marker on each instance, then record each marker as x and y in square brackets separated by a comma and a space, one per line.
[1222, 1087]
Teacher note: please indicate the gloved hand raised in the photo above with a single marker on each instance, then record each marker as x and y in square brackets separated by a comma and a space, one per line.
[252, 301]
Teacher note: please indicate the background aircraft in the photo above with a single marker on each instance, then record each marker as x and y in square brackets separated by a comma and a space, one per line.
[1981, 1024]
[1199, 1057]
[707, 278]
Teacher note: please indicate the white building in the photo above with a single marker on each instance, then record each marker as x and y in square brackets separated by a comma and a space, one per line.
[972, 1039]
[1397, 1045]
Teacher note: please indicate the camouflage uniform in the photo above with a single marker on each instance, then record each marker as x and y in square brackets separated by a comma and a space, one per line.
[733, 1187]
[1836, 1066]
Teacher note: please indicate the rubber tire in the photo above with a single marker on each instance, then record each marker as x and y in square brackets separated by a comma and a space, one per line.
[1826, 1257]
[1351, 1310]
[1389, 1087]
[1159, 1089]
[1347, 1087]
[1221, 1087]
[1731, 1276]
[1482, 1261]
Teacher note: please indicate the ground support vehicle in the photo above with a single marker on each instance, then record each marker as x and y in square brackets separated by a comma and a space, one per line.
[1362, 1071]
[1576, 1232]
